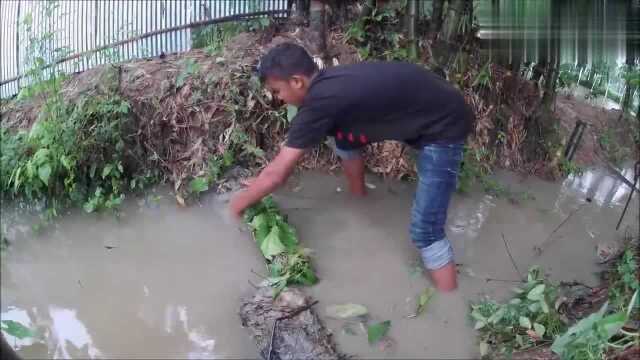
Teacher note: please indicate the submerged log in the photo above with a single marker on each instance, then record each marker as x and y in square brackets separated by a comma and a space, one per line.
[286, 327]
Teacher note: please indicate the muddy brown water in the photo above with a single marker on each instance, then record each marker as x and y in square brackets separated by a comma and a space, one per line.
[166, 282]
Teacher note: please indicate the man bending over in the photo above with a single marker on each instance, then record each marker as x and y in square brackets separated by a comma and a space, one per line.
[363, 103]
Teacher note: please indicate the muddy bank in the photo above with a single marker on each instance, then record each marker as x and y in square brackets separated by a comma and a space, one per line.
[606, 137]
[165, 282]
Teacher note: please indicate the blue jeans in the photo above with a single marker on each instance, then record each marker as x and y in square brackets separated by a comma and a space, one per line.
[438, 166]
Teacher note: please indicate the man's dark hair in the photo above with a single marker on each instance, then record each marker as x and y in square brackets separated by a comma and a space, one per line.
[286, 60]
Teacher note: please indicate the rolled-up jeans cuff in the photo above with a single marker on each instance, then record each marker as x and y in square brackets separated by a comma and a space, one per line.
[437, 255]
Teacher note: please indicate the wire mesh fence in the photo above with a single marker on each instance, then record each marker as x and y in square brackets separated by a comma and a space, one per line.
[79, 35]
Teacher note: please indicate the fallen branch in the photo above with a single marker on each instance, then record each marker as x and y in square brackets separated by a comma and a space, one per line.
[513, 262]
[547, 241]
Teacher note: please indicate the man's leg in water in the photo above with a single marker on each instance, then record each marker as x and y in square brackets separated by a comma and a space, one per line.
[353, 166]
[438, 167]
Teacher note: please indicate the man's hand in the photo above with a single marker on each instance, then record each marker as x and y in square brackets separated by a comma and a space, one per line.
[272, 177]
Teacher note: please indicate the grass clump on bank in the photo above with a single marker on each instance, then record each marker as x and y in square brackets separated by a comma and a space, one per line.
[536, 318]
[75, 154]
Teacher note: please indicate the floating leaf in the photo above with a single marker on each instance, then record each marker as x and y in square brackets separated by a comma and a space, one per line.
[16, 329]
[346, 311]
[272, 245]
[198, 185]
[377, 331]
[424, 299]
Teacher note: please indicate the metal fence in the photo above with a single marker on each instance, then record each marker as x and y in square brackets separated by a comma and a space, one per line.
[84, 34]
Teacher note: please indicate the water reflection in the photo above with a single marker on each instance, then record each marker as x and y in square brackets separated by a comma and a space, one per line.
[598, 185]
[68, 337]
[68, 330]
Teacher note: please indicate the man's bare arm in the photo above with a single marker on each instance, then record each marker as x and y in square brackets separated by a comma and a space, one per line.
[271, 177]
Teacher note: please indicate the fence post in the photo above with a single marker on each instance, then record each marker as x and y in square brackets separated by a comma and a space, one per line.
[18, 45]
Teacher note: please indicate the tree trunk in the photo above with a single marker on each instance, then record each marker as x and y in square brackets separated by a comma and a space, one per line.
[551, 79]
[455, 14]
[412, 11]
[436, 17]
[318, 26]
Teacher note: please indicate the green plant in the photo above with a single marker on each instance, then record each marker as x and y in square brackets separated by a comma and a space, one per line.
[287, 262]
[529, 319]
[623, 282]
[569, 167]
[16, 329]
[592, 337]
[73, 155]
[189, 67]
[567, 76]
[612, 148]
[379, 35]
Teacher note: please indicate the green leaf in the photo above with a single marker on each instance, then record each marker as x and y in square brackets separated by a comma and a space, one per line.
[377, 331]
[497, 316]
[260, 228]
[544, 306]
[524, 322]
[288, 235]
[198, 185]
[484, 348]
[44, 172]
[66, 162]
[560, 344]
[477, 315]
[272, 245]
[480, 324]
[424, 299]
[517, 290]
[16, 329]
[537, 293]
[539, 329]
[346, 311]
[89, 206]
[612, 323]
[107, 169]
[92, 170]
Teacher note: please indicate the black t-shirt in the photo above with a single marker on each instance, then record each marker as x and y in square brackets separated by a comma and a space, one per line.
[374, 101]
